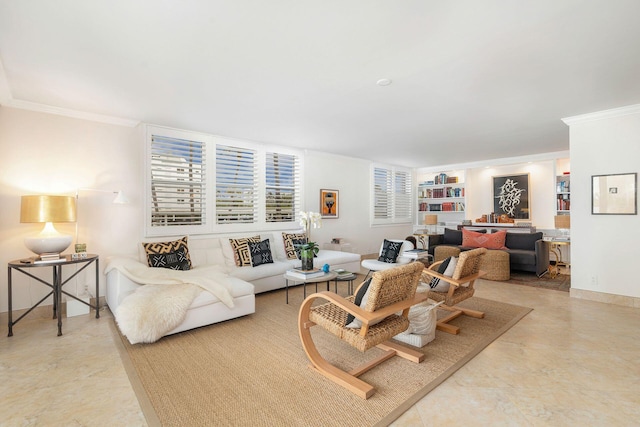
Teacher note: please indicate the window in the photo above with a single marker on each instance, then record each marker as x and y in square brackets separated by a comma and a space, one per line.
[391, 195]
[236, 185]
[282, 187]
[202, 184]
[178, 182]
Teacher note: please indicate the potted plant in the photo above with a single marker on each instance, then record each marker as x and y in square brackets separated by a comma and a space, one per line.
[307, 252]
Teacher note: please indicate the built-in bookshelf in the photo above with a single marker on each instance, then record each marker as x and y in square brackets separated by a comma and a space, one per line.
[442, 195]
[563, 194]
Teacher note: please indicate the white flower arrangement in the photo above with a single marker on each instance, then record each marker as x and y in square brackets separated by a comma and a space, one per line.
[308, 220]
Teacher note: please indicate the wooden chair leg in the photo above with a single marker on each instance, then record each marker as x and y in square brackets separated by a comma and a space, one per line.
[337, 375]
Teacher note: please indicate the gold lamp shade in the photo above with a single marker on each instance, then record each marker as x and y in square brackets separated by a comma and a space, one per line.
[430, 219]
[48, 209]
[562, 222]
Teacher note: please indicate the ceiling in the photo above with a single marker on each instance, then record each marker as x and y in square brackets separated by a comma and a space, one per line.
[471, 80]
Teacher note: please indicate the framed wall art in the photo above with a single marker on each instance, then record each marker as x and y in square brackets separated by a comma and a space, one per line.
[511, 196]
[329, 203]
[614, 194]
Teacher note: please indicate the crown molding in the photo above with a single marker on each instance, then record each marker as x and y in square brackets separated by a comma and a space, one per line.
[600, 115]
[42, 108]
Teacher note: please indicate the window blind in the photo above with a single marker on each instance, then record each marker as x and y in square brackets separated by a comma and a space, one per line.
[391, 195]
[282, 184]
[236, 185]
[178, 182]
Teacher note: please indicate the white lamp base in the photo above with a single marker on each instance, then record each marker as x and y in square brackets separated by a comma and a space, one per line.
[48, 241]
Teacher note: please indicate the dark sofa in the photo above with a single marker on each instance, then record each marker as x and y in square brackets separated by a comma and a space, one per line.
[527, 251]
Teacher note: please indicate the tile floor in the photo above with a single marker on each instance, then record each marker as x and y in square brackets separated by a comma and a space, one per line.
[569, 362]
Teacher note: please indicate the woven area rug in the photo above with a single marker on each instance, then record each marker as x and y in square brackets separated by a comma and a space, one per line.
[562, 282]
[253, 370]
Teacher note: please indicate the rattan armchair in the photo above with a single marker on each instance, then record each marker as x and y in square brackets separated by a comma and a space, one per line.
[390, 292]
[461, 287]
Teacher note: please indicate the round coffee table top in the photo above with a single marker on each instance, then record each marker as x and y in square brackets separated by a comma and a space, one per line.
[324, 278]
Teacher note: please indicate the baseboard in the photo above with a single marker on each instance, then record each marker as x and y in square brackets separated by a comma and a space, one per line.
[623, 300]
[46, 311]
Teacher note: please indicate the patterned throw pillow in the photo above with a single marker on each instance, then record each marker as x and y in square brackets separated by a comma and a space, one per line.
[241, 250]
[260, 253]
[173, 255]
[447, 268]
[390, 251]
[289, 243]
[473, 239]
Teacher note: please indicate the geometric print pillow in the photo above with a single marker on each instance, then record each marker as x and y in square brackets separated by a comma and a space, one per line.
[390, 251]
[260, 253]
[173, 255]
[241, 250]
[290, 240]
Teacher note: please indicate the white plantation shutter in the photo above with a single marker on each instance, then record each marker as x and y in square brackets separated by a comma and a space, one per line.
[382, 203]
[391, 195]
[236, 185]
[178, 182]
[198, 184]
[402, 192]
[282, 187]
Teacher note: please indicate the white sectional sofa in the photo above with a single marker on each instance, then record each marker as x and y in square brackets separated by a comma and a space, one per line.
[242, 282]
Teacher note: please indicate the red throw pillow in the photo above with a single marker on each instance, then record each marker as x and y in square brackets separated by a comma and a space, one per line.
[473, 239]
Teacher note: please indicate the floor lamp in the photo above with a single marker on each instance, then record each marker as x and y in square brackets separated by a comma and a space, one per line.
[119, 199]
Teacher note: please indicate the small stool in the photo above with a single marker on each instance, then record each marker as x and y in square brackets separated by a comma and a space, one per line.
[496, 264]
[442, 252]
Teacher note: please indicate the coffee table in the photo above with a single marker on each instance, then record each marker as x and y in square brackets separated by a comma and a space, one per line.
[326, 277]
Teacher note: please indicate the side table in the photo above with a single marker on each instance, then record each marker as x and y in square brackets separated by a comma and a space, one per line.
[349, 278]
[56, 284]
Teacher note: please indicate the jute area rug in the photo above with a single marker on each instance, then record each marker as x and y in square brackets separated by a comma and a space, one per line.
[252, 371]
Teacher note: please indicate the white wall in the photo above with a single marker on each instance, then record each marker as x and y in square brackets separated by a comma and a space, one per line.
[603, 247]
[351, 178]
[50, 154]
[542, 180]
[45, 153]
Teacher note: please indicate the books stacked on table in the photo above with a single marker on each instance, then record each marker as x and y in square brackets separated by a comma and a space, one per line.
[415, 253]
[305, 274]
[344, 274]
[46, 258]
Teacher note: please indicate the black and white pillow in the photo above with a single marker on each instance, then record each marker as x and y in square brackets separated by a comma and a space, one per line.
[260, 253]
[447, 268]
[390, 251]
[361, 301]
[173, 255]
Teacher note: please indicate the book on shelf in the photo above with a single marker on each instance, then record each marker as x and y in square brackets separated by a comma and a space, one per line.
[305, 274]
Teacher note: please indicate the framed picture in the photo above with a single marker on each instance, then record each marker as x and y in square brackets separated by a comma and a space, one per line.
[329, 203]
[614, 194]
[511, 196]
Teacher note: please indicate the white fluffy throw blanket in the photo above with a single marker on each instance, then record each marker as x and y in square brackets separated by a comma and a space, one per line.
[156, 308]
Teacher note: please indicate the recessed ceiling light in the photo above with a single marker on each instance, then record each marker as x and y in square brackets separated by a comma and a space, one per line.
[383, 82]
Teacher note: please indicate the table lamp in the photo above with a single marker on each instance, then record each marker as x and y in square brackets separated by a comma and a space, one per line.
[48, 209]
[430, 220]
[563, 223]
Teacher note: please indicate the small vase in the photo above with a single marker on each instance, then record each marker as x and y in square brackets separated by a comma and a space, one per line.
[306, 256]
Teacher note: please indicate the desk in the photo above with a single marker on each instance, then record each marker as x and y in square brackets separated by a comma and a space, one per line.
[555, 246]
[56, 284]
